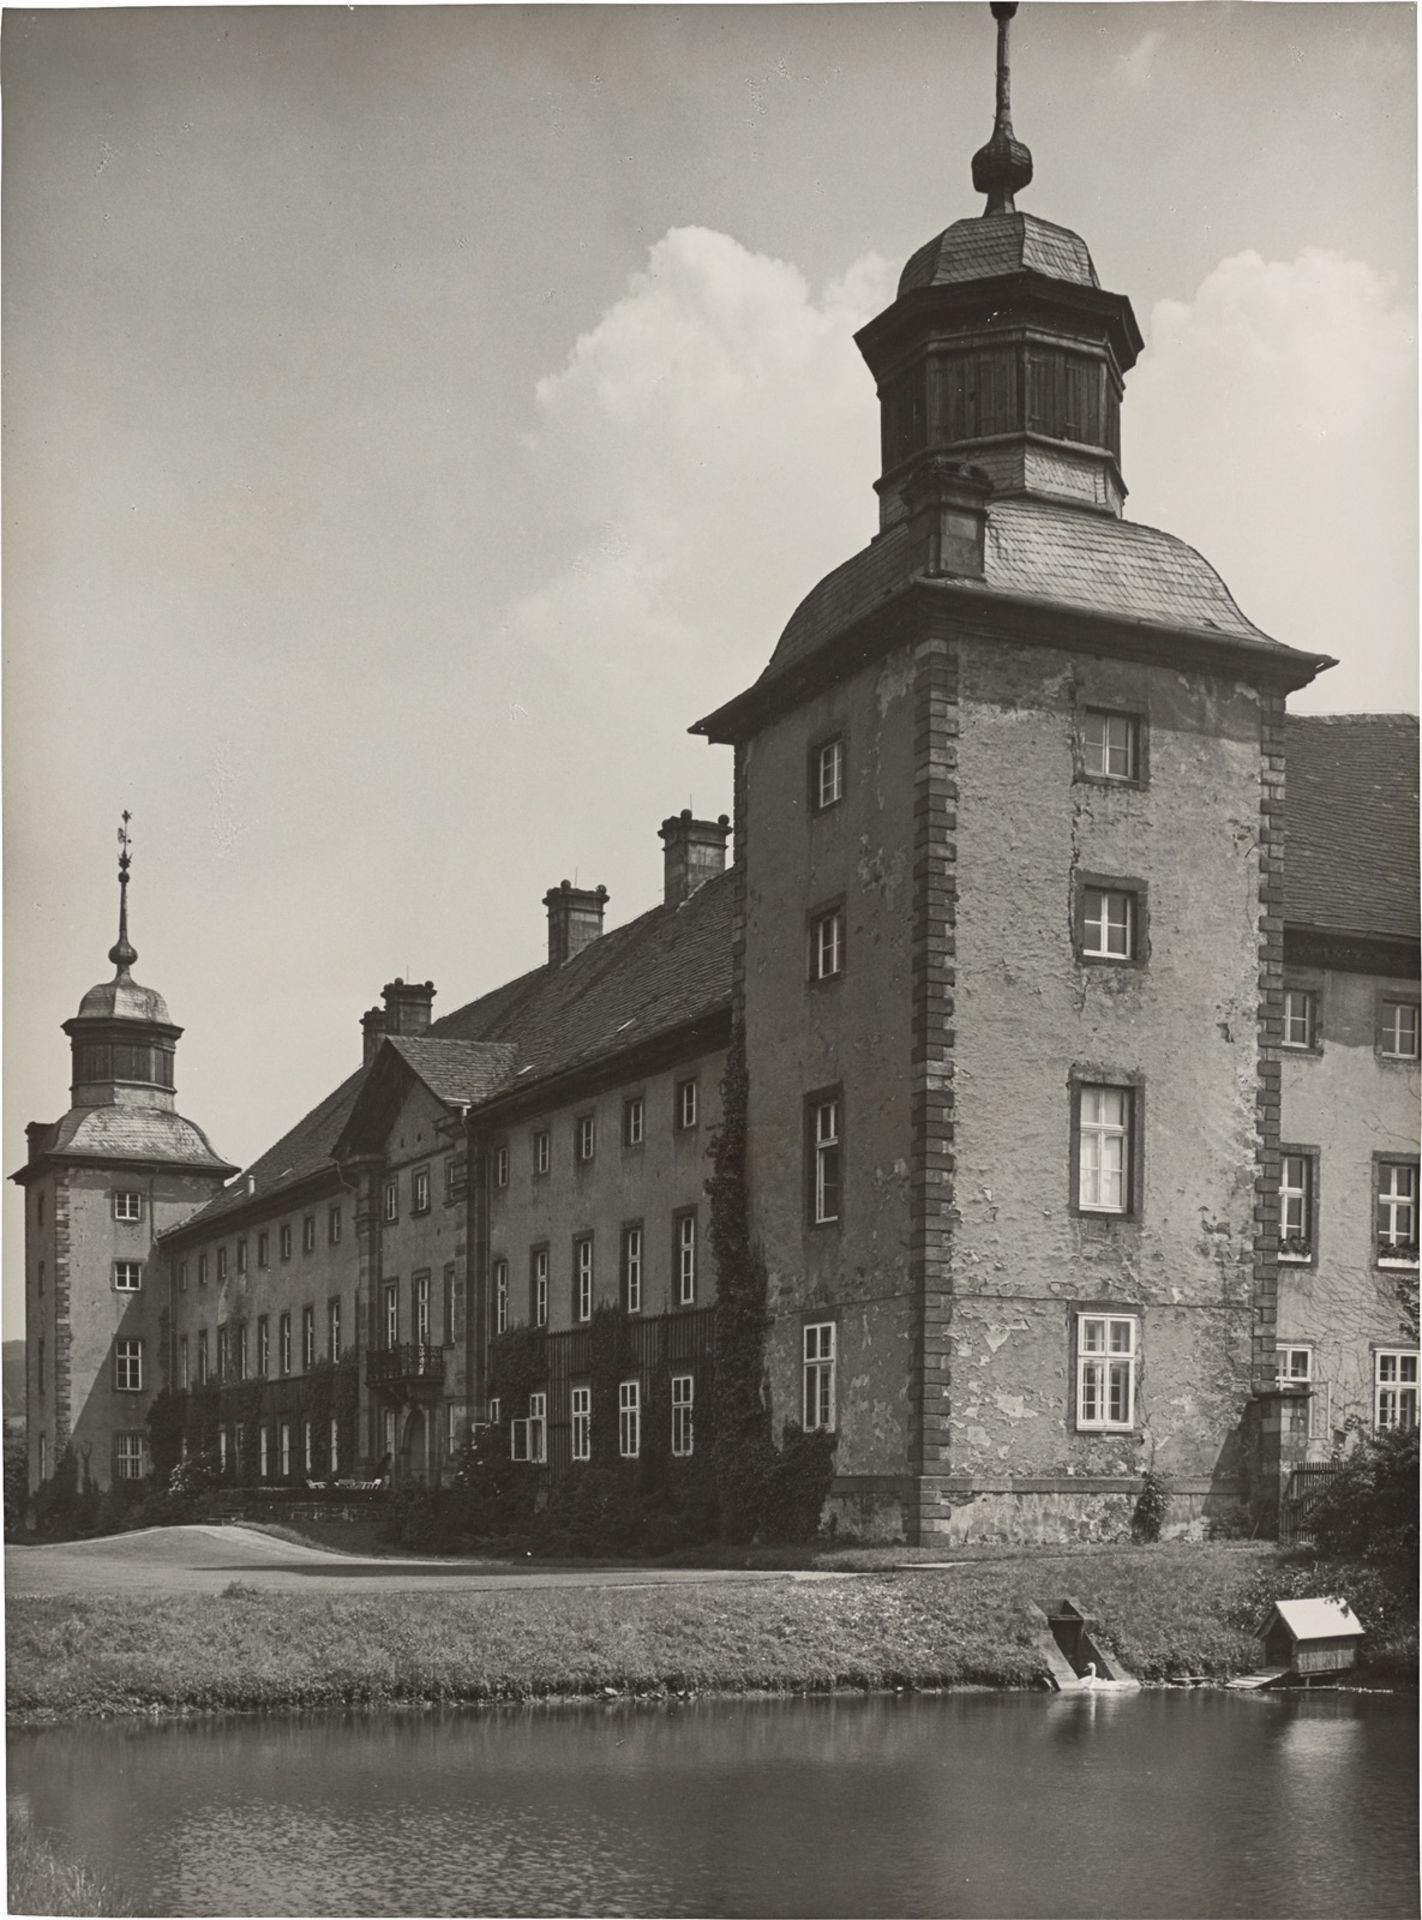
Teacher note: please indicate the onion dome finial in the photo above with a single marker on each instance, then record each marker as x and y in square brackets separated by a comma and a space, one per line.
[1004, 166]
[122, 953]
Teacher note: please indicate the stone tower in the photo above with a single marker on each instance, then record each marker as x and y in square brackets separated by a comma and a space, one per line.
[100, 1185]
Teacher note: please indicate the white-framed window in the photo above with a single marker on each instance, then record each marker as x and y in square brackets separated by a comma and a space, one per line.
[1395, 1387]
[1110, 745]
[307, 1446]
[334, 1444]
[501, 1296]
[1104, 1162]
[827, 773]
[683, 1426]
[629, 1419]
[501, 1166]
[538, 1426]
[493, 1411]
[128, 1366]
[222, 1448]
[686, 1107]
[221, 1265]
[1397, 1213]
[582, 1423]
[128, 1276]
[308, 1339]
[586, 1135]
[333, 1329]
[391, 1205]
[1296, 1366]
[583, 1277]
[263, 1452]
[452, 1432]
[825, 1181]
[542, 1150]
[1399, 1040]
[1106, 1347]
[1108, 923]
[632, 1269]
[1296, 1207]
[827, 944]
[420, 1286]
[420, 1190]
[129, 1456]
[333, 1227]
[308, 1233]
[184, 1375]
[686, 1260]
[821, 1340]
[540, 1287]
[634, 1121]
[392, 1314]
[1300, 1017]
[284, 1341]
[128, 1206]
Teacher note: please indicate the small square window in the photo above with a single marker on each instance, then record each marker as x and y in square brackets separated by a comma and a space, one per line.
[634, 1121]
[1300, 1017]
[128, 1276]
[827, 944]
[586, 1136]
[827, 773]
[1110, 919]
[542, 1151]
[1399, 1039]
[501, 1166]
[685, 1105]
[128, 1206]
[391, 1202]
[420, 1190]
[1106, 1347]
[1110, 745]
[1295, 1366]
[1395, 1387]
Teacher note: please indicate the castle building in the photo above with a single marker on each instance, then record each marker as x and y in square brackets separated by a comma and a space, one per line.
[1076, 987]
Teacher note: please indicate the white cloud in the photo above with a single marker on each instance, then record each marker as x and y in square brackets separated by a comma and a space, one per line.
[1135, 68]
[1272, 423]
[710, 447]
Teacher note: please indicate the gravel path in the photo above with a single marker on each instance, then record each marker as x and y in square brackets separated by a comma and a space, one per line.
[202, 1559]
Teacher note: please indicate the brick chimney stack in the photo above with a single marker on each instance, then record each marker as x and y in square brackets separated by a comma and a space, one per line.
[574, 920]
[693, 852]
[408, 1006]
[372, 1029]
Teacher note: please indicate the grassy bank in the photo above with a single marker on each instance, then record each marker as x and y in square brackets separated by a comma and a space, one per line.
[40, 1880]
[1168, 1611]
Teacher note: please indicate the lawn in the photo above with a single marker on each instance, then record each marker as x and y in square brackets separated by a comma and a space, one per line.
[1167, 1610]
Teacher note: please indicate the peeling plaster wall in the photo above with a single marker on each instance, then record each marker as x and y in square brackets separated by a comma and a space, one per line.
[854, 1032]
[1349, 1104]
[1028, 1013]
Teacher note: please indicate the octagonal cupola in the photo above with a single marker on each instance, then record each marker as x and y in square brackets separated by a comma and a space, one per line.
[1002, 350]
[122, 1041]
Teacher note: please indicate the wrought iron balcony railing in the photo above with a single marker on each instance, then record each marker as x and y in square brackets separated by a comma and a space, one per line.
[415, 1363]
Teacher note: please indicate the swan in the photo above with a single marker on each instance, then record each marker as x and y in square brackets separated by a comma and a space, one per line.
[1090, 1679]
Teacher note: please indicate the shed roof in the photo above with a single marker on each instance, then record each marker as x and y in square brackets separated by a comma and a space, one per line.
[1315, 1619]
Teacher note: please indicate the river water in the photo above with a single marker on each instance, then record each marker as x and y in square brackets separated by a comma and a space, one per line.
[1159, 1803]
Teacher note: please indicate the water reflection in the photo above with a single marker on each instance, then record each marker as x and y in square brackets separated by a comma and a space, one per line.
[1148, 1804]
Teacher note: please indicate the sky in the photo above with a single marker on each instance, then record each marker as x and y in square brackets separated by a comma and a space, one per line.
[415, 418]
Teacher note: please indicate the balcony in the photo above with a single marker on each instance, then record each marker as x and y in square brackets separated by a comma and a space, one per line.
[406, 1368]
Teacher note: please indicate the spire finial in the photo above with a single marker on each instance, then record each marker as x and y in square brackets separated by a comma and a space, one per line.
[1004, 166]
[121, 953]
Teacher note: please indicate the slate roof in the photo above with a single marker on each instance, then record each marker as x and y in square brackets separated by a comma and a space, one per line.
[662, 971]
[982, 248]
[133, 1133]
[456, 1070]
[123, 999]
[1350, 820]
[1060, 555]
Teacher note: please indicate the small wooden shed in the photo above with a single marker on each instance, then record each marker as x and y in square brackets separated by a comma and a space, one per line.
[1311, 1638]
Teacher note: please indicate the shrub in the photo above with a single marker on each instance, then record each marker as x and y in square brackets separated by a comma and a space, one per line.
[1152, 1505]
[1368, 1511]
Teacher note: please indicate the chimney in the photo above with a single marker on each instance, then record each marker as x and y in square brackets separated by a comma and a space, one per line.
[408, 1008]
[372, 1028]
[574, 920]
[693, 851]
